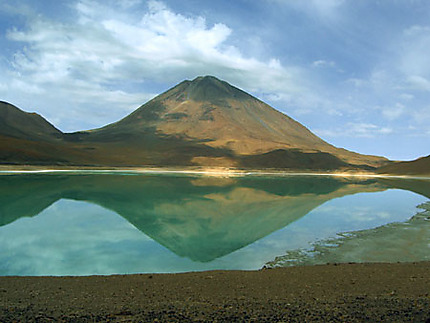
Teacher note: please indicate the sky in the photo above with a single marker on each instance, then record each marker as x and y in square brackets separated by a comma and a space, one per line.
[356, 73]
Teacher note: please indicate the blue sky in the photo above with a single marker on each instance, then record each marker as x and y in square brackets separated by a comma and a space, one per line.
[356, 73]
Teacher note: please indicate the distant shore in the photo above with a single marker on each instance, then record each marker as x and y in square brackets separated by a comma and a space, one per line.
[344, 292]
[191, 170]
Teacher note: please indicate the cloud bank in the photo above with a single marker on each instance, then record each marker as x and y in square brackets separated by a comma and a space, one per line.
[104, 59]
[314, 60]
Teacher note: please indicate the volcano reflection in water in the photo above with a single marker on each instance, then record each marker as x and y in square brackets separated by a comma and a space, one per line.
[103, 224]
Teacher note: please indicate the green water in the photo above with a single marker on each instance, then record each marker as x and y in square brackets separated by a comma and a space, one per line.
[85, 224]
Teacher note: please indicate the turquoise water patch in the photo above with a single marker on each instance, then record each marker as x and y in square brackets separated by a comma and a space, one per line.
[112, 224]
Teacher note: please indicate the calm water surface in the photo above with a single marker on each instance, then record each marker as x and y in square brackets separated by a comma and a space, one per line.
[86, 224]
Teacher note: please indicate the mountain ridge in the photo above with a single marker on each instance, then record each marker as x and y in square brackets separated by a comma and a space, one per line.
[202, 122]
[25, 125]
[223, 116]
[419, 166]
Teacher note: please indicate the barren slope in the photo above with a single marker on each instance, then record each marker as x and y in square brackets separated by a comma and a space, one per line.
[210, 111]
[204, 122]
[420, 166]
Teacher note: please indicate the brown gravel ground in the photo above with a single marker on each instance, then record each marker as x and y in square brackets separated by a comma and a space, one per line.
[328, 293]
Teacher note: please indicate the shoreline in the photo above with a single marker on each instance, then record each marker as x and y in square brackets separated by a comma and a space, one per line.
[190, 171]
[334, 292]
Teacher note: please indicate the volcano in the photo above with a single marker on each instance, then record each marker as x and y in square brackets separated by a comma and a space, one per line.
[203, 122]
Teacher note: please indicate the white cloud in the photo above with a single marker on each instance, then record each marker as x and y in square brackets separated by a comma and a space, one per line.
[356, 82]
[324, 9]
[406, 96]
[109, 57]
[419, 83]
[421, 117]
[108, 47]
[414, 58]
[396, 88]
[393, 112]
[406, 70]
[323, 63]
[356, 130]
[128, 3]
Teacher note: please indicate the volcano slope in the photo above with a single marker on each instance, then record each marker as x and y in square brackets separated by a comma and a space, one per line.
[420, 166]
[29, 139]
[203, 122]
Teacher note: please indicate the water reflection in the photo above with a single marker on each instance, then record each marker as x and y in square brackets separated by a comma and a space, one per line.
[203, 221]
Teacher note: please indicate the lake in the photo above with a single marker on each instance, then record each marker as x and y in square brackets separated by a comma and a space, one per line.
[119, 223]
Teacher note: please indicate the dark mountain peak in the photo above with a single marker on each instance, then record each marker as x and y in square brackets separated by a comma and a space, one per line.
[210, 88]
[420, 166]
[206, 90]
[9, 112]
[206, 78]
[25, 125]
[6, 108]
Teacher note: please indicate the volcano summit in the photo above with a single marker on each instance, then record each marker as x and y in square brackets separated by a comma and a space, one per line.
[203, 122]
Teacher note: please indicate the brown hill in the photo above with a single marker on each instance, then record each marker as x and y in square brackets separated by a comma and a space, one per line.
[216, 123]
[420, 166]
[203, 122]
[27, 138]
[23, 125]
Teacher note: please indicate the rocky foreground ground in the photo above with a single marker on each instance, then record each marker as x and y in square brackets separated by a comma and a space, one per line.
[337, 293]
